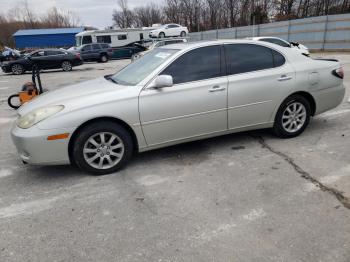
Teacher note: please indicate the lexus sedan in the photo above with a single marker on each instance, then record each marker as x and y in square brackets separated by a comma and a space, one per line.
[46, 59]
[169, 30]
[175, 94]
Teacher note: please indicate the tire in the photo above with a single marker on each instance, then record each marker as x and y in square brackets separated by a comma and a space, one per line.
[10, 102]
[66, 66]
[104, 59]
[183, 34]
[293, 117]
[88, 146]
[161, 35]
[17, 69]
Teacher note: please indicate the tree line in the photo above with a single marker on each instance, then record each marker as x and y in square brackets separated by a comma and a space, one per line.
[199, 15]
[23, 17]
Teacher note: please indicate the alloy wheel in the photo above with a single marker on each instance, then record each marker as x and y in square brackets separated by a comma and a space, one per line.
[294, 117]
[17, 69]
[66, 66]
[103, 150]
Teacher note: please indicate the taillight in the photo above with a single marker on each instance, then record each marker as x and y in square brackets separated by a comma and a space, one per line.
[338, 72]
[77, 55]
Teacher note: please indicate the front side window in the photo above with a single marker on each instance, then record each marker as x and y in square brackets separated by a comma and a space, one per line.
[199, 64]
[87, 39]
[86, 48]
[137, 71]
[96, 47]
[242, 58]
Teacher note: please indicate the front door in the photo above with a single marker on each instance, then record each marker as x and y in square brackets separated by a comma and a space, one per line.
[195, 105]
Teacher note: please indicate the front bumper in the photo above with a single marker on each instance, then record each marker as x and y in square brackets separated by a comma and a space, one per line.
[6, 69]
[154, 34]
[34, 148]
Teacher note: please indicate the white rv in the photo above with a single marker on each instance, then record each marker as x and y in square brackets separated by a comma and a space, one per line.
[116, 38]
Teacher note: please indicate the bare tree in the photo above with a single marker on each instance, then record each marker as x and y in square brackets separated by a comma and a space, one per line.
[123, 18]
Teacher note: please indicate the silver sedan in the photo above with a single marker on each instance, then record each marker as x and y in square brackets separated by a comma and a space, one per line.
[175, 94]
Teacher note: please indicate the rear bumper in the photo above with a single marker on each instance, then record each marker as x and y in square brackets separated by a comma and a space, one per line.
[78, 62]
[34, 148]
[329, 98]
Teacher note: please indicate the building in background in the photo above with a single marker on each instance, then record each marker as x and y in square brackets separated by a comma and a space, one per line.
[46, 38]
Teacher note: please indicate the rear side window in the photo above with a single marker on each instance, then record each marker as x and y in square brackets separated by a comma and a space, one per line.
[199, 64]
[278, 59]
[53, 52]
[243, 58]
[105, 45]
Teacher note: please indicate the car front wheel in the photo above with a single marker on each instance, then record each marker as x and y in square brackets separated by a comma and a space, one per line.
[17, 69]
[292, 117]
[102, 148]
[161, 35]
[67, 66]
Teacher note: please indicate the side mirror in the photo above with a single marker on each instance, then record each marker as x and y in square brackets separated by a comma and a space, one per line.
[163, 81]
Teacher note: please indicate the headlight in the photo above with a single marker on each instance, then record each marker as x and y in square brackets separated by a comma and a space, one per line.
[37, 115]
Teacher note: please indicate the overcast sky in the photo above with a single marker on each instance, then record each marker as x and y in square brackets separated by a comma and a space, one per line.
[91, 12]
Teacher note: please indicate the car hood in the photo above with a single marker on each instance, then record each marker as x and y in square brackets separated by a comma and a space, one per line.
[74, 95]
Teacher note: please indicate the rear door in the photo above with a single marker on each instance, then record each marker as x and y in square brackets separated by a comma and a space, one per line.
[96, 49]
[54, 58]
[259, 79]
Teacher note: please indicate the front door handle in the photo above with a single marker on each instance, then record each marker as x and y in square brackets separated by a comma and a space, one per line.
[284, 78]
[216, 89]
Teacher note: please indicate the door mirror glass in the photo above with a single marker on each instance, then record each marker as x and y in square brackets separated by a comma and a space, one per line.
[163, 81]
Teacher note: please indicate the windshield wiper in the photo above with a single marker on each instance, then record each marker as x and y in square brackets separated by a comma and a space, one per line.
[109, 77]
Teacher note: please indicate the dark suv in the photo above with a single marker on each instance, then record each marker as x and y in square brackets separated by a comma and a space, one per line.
[95, 52]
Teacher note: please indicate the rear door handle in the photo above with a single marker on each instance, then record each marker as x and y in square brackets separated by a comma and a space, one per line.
[284, 78]
[216, 89]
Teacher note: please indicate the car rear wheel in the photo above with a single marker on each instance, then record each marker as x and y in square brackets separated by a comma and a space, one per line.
[104, 58]
[17, 69]
[102, 148]
[67, 66]
[161, 35]
[183, 34]
[292, 117]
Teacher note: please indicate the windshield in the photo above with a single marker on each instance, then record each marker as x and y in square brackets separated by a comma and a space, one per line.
[135, 72]
[78, 40]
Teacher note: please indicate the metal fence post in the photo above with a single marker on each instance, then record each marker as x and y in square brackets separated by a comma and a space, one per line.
[325, 33]
[217, 33]
[288, 33]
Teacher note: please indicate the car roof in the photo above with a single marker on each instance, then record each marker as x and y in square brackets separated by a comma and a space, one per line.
[189, 45]
[264, 37]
